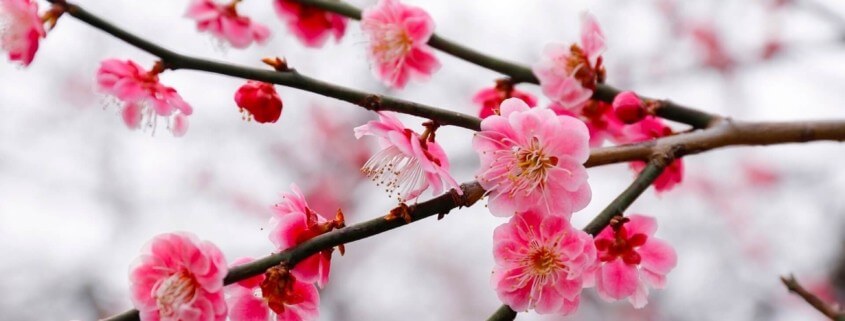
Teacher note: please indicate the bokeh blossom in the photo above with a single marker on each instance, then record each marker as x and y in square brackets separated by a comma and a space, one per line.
[21, 29]
[224, 22]
[397, 35]
[310, 24]
[179, 277]
[531, 157]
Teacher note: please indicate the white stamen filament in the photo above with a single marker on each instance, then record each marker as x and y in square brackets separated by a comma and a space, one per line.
[400, 174]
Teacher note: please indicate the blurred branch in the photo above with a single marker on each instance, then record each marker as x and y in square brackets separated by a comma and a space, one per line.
[290, 78]
[834, 313]
[617, 207]
[520, 73]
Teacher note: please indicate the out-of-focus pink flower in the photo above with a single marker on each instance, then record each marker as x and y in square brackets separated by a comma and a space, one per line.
[143, 95]
[179, 277]
[20, 29]
[530, 158]
[628, 107]
[310, 24]
[540, 263]
[293, 222]
[290, 299]
[489, 99]
[260, 100]
[568, 74]
[224, 22]
[632, 260]
[712, 46]
[409, 163]
[651, 128]
[397, 35]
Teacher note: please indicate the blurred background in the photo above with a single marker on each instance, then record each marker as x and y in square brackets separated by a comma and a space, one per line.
[80, 194]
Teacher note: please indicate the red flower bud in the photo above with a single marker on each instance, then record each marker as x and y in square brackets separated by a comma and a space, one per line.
[628, 107]
[260, 100]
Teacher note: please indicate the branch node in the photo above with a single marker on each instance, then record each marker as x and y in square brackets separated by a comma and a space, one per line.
[401, 211]
[371, 102]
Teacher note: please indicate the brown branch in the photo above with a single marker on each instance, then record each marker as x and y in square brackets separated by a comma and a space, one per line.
[793, 286]
[520, 73]
[290, 78]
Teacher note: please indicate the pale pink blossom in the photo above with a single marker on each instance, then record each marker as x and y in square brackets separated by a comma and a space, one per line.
[310, 24]
[632, 260]
[293, 222]
[409, 163]
[531, 157]
[397, 35]
[224, 22]
[652, 128]
[143, 96]
[489, 99]
[260, 100]
[288, 298]
[20, 29]
[178, 277]
[600, 119]
[541, 262]
[568, 73]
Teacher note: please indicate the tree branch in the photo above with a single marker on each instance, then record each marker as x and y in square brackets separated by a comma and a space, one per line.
[292, 78]
[793, 286]
[520, 73]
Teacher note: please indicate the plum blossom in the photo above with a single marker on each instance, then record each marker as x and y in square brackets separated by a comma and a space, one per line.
[21, 29]
[490, 98]
[143, 96]
[260, 101]
[651, 128]
[632, 260]
[310, 24]
[275, 292]
[568, 74]
[628, 107]
[293, 222]
[224, 22]
[531, 157]
[178, 277]
[397, 35]
[541, 262]
[409, 163]
[600, 119]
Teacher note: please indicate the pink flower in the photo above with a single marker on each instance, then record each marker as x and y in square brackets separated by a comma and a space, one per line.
[490, 98]
[224, 22]
[178, 277]
[20, 29]
[409, 163]
[398, 35]
[260, 100]
[287, 297]
[632, 260]
[628, 107]
[143, 95]
[651, 128]
[540, 263]
[532, 157]
[310, 24]
[600, 119]
[293, 223]
[568, 74]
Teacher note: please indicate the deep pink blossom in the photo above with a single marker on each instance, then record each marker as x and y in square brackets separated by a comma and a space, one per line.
[628, 107]
[541, 261]
[600, 119]
[310, 24]
[224, 22]
[20, 29]
[489, 99]
[397, 35]
[260, 100]
[294, 222]
[568, 74]
[143, 96]
[531, 157]
[409, 163]
[178, 277]
[652, 128]
[632, 260]
[290, 299]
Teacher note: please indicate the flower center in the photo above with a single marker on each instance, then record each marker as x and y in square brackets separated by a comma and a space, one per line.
[621, 246]
[543, 261]
[175, 291]
[392, 43]
[532, 165]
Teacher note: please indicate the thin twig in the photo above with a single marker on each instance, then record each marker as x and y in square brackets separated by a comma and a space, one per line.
[793, 286]
[522, 74]
[291, 78]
